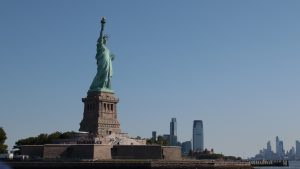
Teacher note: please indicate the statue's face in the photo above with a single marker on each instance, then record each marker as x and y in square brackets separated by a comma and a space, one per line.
[104, 40]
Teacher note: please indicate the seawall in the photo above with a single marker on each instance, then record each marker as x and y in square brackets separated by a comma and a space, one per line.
[130, 164]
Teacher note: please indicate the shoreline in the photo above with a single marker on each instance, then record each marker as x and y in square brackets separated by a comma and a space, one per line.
[130, 164]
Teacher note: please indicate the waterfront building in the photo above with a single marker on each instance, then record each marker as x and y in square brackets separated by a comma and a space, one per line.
[268, 154]
[297, 149]
[277, 145]
[173, 132]
[198, 138]
[279, 148]
[153, 136]
[291, 154]
[166, 137]
[186, 147]
[269, 148]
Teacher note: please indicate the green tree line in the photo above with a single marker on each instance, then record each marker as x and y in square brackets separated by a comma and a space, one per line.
[45, 138]
[3, 147]
[160, 141]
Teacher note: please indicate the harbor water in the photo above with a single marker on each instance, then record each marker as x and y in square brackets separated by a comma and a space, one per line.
[292, 165]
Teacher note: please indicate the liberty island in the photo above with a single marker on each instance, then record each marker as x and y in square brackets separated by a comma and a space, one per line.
[100, 142]
[100, 136]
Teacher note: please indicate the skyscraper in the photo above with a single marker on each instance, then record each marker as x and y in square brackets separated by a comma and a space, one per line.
[153, 136]
[268, 155]
[173, 132]
[269, 148]
[277, 145]
[279, 148]
[198, 138]
[186, 147]
[297, 149]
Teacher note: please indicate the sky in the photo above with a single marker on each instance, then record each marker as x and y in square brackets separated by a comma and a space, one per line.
[233, 64]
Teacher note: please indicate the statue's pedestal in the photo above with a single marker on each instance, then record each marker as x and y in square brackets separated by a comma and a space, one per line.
[100, 114]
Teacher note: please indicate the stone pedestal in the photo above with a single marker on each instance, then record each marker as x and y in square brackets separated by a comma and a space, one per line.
[100, 114]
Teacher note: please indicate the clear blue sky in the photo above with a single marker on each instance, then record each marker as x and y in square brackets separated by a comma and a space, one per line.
[232, 64]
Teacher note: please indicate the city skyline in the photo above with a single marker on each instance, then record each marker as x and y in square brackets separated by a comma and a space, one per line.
[279, 152]
[233, 64]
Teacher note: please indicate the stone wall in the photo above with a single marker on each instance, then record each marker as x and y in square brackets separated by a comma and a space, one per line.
[34, 151]
[102, 152]
[77, 151]
[171, 152]
[52, 151]
[136, 152]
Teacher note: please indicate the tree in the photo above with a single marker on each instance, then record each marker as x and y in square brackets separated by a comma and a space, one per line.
[54, 136]
[45, 138]
[160, 141]
[3, 147]
[66, 135]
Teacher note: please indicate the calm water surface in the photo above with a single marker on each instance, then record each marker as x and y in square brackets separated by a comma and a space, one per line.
[293, 165]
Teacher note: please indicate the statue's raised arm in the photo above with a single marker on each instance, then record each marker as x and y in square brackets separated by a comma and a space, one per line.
[100, 40]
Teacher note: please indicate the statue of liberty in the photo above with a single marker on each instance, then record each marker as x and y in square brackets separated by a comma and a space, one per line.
[102, 80]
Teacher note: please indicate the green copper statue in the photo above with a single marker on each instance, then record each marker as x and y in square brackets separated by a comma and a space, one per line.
[102, 80]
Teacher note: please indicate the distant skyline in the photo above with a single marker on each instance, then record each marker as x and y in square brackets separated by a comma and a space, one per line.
[279, 152]
[233, 64]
